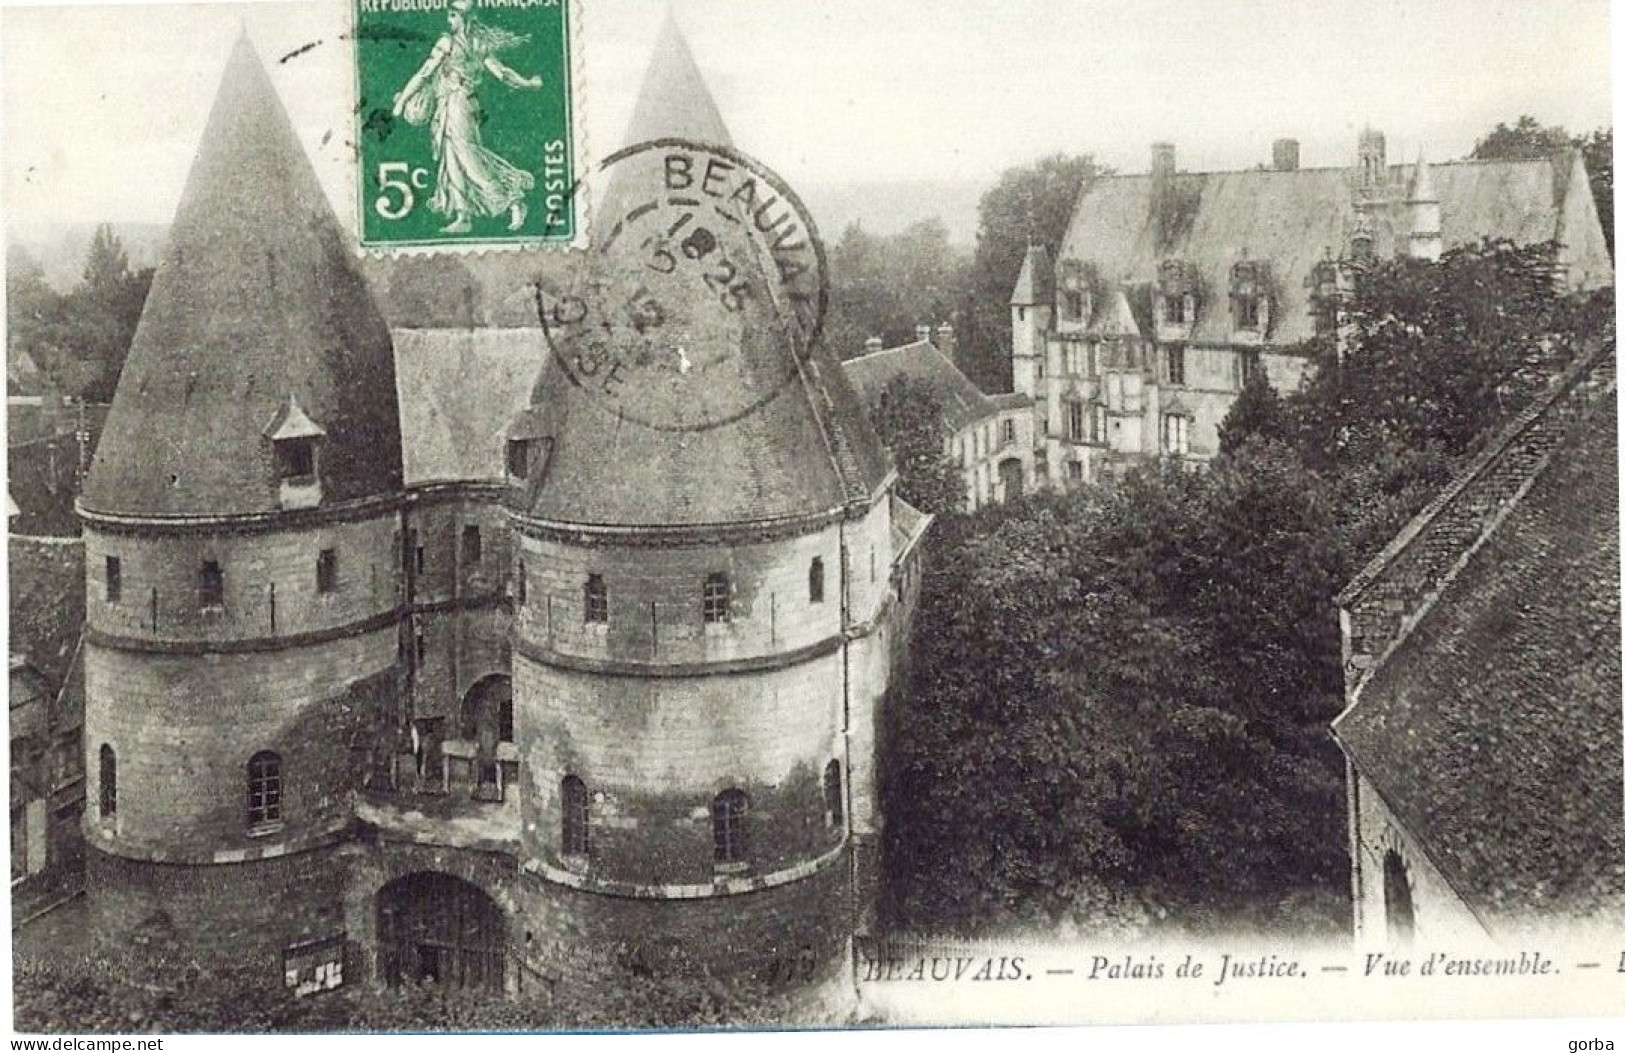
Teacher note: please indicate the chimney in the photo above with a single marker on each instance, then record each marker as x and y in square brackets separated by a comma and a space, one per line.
[922, 333]
[871, 345]
[1285, 154]
[945, 339]
[1162, 191]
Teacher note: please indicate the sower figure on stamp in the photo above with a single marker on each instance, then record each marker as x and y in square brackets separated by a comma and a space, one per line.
[470, 178]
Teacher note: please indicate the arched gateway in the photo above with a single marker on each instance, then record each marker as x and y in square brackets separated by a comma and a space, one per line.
[440, 928]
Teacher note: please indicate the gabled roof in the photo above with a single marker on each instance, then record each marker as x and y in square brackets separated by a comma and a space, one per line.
[804, 447]
[1036, 282]
[1292, 220]
[257, 301]
[1493, 729]
[963, 403]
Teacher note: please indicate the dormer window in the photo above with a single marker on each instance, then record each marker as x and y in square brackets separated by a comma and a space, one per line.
[294, 450]
[1173, 310]
[296, 462]
[1075, 292]
[519, 458]
[1249, 297]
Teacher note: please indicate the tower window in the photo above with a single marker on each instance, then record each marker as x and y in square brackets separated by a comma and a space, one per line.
[264, 789]
[729, 811]
[296, 460]
[834, 804]
[327, 570]
[815, 580]
[420, 559]
[576, 812]
[1176, 366]
[472, 547]
[595, 601]
[519, 458]
[520, 590]
[114, 579]
[714, 598]
[211, 586]
[1074, 421]
[1009, 431]
[109, 782]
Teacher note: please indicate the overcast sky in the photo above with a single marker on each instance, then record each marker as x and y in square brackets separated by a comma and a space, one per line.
[103, 105]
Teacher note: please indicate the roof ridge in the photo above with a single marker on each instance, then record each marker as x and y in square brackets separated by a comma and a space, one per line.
[1563, 385]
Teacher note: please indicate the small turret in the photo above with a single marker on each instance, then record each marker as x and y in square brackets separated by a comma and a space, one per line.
[1031, 307]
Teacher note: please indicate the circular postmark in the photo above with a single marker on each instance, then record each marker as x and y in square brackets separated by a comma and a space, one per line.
[703, 293]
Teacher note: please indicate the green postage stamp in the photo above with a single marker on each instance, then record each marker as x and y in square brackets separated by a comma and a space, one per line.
[466, 129]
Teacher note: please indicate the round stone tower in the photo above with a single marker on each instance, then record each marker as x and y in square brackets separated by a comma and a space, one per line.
[243, 568]
[702, 637]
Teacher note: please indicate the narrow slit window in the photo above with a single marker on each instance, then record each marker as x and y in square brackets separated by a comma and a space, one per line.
[327, 570]
[815, 580]
[114, 579]
[211, 586]
[834, 803]
[576, 816]
[472, 545]
[729, 812]
[108, 782]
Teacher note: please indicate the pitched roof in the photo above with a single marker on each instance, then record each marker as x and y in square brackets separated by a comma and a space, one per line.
[963, 403]
[257, 301]
[1293, 220]
[806, 447]
[1493, 730]
[1036, 282]
[459, 388]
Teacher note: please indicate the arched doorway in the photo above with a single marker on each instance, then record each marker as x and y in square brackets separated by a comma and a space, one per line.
[1396, 897]
[487, 720]
[438, 928]
[1010, 478]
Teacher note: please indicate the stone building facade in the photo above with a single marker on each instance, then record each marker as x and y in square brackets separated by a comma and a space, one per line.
[1482, 670]
[1170, 289]
[391, 674]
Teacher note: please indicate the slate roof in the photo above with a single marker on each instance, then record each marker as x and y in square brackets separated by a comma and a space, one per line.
[459, 388]
[963, 403]
[1493, 731]
[257, 299]
[1292, 220]
[806, 447]
[1036, 282]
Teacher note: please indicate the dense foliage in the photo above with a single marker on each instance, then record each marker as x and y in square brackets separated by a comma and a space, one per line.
[1030, 204]
[1119, 700]
[909, 420]
[78, 339]
[885, 285]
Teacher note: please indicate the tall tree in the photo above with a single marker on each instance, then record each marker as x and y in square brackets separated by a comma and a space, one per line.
[910, 421]
[1030, 203]
[885, 285]
[101, 314]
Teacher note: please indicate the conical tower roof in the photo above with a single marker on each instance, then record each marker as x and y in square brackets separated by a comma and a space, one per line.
[257, 315]
[801, 443]
[675, 101]
[1036, 283]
